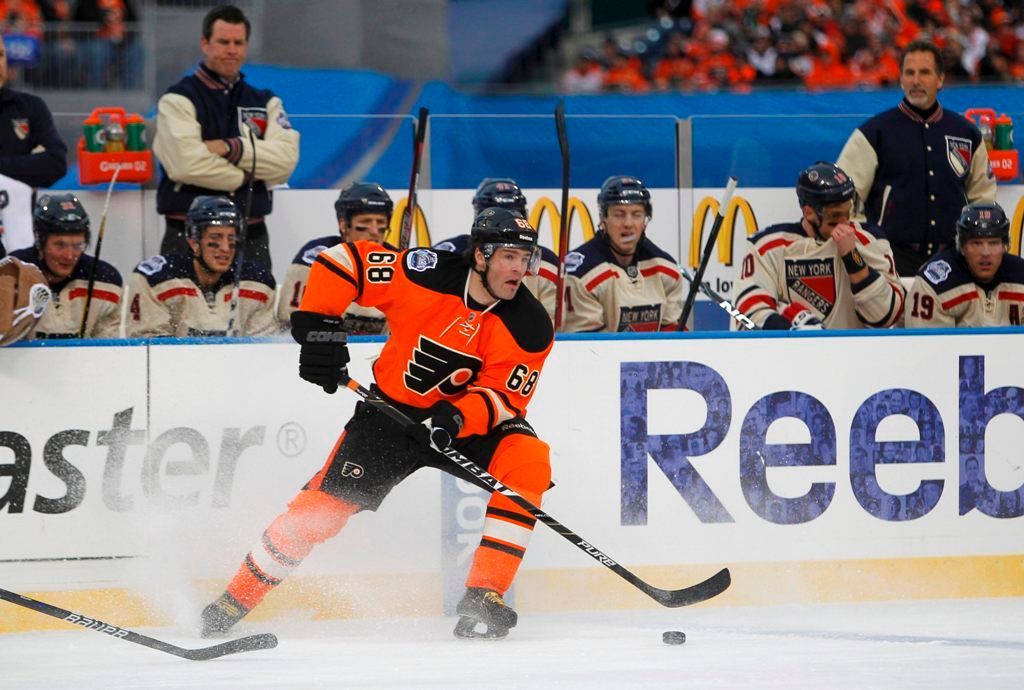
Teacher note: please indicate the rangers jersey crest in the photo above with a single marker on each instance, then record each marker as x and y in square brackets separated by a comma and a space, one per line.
[958, 152]
[815, 281]
[642, 319]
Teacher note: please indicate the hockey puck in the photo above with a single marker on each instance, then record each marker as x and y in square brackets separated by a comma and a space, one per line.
[673, 637]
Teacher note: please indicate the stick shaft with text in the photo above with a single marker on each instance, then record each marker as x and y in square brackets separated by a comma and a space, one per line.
[96, 257]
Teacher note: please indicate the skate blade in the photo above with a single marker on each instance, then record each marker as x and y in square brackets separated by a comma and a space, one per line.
[466, 629]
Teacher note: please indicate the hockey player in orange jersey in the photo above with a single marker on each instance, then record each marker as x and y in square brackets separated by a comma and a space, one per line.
[466, 349]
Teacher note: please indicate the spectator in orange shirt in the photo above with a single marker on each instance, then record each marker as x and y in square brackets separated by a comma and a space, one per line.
[625, 74]
[1017, 66]
[676, 69]
[21, 17]
[828, 74]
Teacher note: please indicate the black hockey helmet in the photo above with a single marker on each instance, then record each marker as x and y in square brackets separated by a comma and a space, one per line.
[823, 184]
[363, 197]
[210, 210]
[499, 227]
[58, 214]
[623, 189]
[500, 192]
[982, 219]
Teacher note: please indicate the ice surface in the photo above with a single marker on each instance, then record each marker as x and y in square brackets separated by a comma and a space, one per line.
[931, 644]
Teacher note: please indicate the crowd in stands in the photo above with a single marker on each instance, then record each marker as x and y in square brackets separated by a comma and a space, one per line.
[823, 44]
[73, 43]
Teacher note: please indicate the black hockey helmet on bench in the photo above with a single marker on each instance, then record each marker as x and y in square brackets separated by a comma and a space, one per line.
[500, 192]
[624, 189]
[497, 227]
[363, 197]
[210, 210]
[982, 219]
[823, 184]
[58, 214]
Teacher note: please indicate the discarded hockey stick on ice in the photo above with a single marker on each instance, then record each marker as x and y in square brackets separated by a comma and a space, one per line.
[709, 247]
[714, 585]
[242, 644]
[409, 215]
[96, 256]
[742, 319]
[563, 223]
[243, 237]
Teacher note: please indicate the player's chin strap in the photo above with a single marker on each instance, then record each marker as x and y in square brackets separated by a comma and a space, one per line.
[714, 585]
[201, 259]
[483, 275]
[816, 227]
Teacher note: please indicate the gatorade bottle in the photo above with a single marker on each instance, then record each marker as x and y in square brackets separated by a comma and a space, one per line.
[135, 129]
[115, 134]
[1003, 137]
[985, 127]
[93, 127]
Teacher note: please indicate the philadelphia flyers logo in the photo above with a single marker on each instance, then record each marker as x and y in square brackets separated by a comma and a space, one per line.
[435, 366]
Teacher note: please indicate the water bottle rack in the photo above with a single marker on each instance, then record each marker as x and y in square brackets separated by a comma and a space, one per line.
[97, 167]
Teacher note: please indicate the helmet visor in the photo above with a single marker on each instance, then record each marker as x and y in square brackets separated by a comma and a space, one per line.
[532, 263]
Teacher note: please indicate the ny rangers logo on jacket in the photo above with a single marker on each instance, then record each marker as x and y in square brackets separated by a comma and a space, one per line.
[20, 126]
[255, 118]
[958, 152]
[435, 366]
[813, 280]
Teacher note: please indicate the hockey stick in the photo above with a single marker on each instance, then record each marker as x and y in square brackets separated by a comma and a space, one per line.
[730, 187]
[242, 236]
[96, 256]
[419, 136]
[243, 644]
[714, 585]
[741, 318]
[563, 223]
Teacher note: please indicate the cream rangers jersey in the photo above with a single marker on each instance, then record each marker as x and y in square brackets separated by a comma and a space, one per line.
[602, 295]
[945, 294]
[63, 316]
[357, 320]
[543, 284]
[785, 272]
[165, 299]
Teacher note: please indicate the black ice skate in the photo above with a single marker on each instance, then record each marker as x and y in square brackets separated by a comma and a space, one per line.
[219, 616]
[484, 608]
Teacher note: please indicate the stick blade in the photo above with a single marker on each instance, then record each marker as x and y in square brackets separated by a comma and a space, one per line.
[694, 594]
[250, 643]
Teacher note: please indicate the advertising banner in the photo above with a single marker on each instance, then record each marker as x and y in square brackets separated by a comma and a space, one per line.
[155, 468]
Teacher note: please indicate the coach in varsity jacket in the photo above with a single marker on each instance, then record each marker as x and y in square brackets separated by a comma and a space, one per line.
[203, 137]
[916, 165]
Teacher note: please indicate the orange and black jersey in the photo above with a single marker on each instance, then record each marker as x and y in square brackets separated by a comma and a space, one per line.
[443, 344]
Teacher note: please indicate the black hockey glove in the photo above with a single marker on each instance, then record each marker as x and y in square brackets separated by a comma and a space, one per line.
[440, 428]
[324, 355]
